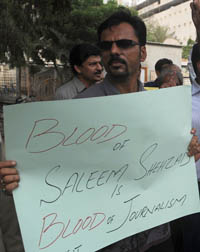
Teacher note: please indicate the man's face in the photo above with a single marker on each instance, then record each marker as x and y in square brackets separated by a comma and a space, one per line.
[159, 72]
[176, 70]
[91, 70]
[171, 79]
[122, 62]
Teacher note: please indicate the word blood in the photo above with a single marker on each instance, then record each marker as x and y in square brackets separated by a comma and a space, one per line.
[47, 128]
[58, 229]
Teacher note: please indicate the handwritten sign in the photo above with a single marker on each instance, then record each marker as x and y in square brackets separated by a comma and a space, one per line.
[94, 171]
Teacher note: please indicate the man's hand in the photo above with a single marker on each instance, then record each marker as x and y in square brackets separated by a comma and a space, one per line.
[194, 146]
[168, 84]
[169, 80]
[9, 177]
[195, 6]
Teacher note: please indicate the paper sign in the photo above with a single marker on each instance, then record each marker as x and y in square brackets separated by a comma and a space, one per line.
[94, 171]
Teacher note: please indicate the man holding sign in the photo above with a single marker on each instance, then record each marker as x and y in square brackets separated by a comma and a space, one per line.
[122, 39]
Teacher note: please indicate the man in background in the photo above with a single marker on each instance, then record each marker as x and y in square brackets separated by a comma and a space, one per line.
[85, 61]
[170, 76]
[160, 64]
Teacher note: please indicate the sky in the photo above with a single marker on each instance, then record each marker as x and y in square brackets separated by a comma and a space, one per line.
[128, 2]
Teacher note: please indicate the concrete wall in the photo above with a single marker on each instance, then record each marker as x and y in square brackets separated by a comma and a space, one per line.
[177, 18]
[156, 51]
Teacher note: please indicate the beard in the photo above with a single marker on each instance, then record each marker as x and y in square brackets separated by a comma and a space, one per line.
[117, 68]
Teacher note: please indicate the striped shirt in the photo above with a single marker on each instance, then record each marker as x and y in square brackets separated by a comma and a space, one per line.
[195, 106]
[196, 115]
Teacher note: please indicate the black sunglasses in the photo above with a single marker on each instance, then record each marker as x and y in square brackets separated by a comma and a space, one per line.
[122, 43]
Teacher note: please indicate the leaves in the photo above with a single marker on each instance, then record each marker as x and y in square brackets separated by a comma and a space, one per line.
[44, 31]
[158, 33]
[187, 48]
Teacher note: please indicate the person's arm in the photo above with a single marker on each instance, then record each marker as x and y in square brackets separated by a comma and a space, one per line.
[195, 6]
[9, 176]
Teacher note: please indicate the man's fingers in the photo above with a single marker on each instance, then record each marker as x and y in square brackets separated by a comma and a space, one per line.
[8, 171]
[8, 163]
[194, 146]
[193, 131]
[10, 187]
[11, 179]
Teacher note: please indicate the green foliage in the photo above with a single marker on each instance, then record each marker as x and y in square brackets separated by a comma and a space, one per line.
[85, 21]
[37, 32]
[27, 30]
[158, 33]
[186, 49]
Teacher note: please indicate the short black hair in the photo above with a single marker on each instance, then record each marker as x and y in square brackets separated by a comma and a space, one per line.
[195, 57]
[121, 17]
[161, 62]
[80, 53]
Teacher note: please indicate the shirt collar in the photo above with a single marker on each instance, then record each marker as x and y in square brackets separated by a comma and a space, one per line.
[110, 89]
[195, 87]
[79, 85]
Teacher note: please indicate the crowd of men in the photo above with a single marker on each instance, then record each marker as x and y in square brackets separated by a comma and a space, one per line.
[121, 49]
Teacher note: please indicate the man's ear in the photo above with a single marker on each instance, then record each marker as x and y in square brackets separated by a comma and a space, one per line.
[77, 69]
[143, 53]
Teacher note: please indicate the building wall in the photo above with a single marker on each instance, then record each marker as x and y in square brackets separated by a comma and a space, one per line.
[177, 18]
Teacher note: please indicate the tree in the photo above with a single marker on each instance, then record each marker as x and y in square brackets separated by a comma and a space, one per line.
[187, 48]
[28, 28]
[158, 33]
[86, 19]
[37, 32]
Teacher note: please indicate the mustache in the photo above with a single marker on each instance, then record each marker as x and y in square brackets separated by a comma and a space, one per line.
[116, 58]
[98, 72]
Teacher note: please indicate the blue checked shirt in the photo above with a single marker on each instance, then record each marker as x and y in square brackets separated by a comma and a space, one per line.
[195, 106]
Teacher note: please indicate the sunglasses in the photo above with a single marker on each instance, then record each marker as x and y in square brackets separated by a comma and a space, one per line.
[122, 43]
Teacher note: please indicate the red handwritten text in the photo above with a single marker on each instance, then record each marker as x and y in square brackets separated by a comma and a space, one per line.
[58, 229]
[46, 128]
